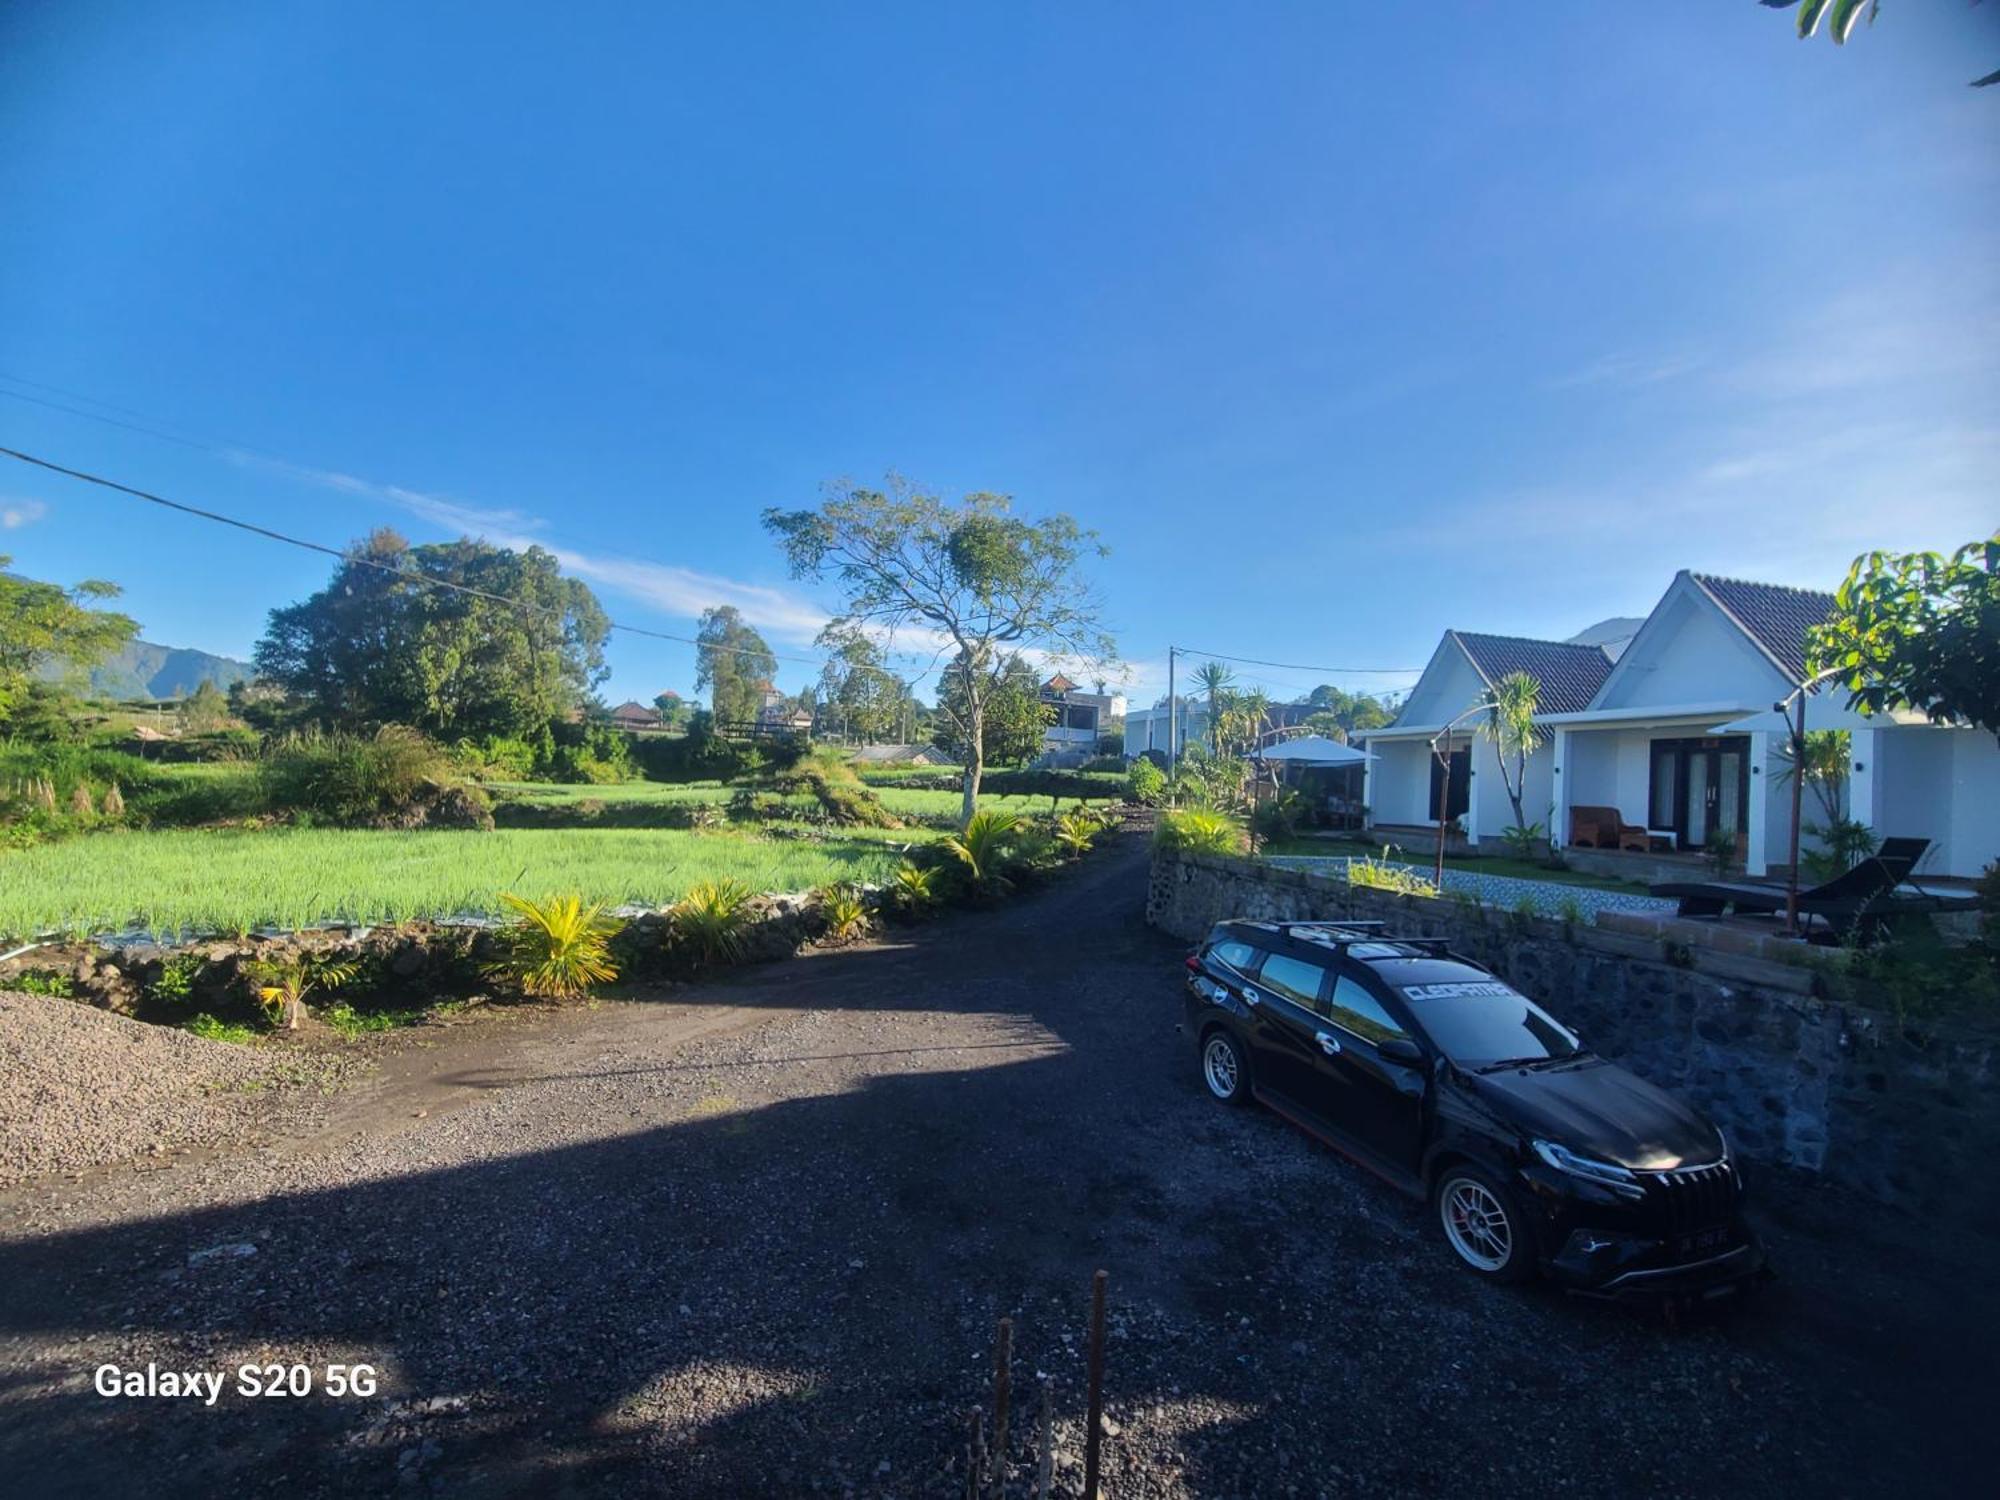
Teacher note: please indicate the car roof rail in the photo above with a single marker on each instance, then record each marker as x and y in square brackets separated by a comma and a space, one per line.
[1342, 935]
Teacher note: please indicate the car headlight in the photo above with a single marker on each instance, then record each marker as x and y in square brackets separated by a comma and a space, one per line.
[1604, 1173]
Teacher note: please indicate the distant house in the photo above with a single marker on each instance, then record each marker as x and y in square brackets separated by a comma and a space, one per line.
[777, 713]
[631, 715]
[1153, 728]
[1676, 741]
[900, 755]
[1076, 720]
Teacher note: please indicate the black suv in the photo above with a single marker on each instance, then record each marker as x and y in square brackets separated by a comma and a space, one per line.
[1431, 1072]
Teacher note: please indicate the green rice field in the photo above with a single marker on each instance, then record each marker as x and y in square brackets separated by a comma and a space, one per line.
[221, 880]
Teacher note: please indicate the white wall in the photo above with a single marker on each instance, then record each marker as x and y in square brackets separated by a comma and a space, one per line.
[1399, 782]
[1943, 785]
[1447, 689]
[1690, 654]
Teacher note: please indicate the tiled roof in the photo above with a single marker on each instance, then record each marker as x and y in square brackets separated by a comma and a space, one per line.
[1570, 675]
[1771, 614]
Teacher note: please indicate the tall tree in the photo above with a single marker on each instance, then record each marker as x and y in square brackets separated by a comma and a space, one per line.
[1338, 713]
[44, 623]
[1916, 630]
[1841, 17]
[734, 663]
[1509, 723]
[864, 698]
[1013, 722]
[1214, 680]
[382, 643]
[977, 580]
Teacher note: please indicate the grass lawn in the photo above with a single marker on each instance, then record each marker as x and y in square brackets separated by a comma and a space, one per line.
[905, 802]
[225, 879]
[1423, 858]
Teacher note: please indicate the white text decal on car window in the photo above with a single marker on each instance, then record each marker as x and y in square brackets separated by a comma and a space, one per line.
[1491, 987]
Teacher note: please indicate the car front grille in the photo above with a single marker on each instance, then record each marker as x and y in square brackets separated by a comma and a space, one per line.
[1694, 1198]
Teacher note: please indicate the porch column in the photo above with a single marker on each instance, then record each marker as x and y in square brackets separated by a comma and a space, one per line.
[1867, 750]
[1757, 857]
[1472, 789]
[1559, 815]
[1367, 787]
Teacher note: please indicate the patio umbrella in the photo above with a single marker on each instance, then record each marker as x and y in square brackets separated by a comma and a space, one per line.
[1314, 750]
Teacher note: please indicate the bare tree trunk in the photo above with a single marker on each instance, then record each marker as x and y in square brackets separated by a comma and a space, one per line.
[975, 751]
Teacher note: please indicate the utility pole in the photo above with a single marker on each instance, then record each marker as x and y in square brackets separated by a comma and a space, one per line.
[1173, 718]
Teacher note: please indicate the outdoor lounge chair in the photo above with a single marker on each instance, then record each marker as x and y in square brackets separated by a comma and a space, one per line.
[1860, 902]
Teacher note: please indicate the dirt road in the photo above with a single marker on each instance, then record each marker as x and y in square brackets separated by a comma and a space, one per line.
[751, 1239]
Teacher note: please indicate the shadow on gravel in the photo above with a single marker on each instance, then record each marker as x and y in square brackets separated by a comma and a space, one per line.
[801, 1297]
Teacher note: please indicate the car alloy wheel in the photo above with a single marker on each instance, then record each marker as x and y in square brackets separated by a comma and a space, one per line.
[1222, 1067]
[1480, 1226]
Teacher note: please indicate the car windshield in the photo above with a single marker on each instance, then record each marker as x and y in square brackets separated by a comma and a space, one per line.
[1477, 1021]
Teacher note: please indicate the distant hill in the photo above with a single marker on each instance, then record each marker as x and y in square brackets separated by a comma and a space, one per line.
[1613, 634]
[145, 670]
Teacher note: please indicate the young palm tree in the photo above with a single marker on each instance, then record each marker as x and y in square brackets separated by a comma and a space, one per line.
[1214, 679]
[1509, 723]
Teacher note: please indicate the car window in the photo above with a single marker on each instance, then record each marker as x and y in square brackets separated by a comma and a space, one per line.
[1238, 955]
[1353, 1007]
[1476, 1020]
[1293, 978]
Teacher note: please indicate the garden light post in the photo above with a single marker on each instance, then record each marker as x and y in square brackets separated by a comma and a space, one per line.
[1443, 755]
[1797, 732]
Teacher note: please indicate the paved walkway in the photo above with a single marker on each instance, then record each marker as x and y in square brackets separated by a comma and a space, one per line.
[1549, 897]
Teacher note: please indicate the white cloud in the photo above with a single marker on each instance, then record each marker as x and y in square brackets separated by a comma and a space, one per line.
[1629, 369]
[14, 514]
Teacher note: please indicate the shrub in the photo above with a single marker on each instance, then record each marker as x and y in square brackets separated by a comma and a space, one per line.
[1146, 783]
[1524, 840]
[1278, 817]
[1380, 875]
[985, 845]
[178, 972]
[50, 982]
[394, 778]
[1198, 831]
[843, 911]
[711, 918]
[352, 1023]
[209, 1029]
[1076, 830]
[557, 949]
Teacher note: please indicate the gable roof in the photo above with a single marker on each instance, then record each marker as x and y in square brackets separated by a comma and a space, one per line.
[629, 707]
[1771, 614]
[1570, 674]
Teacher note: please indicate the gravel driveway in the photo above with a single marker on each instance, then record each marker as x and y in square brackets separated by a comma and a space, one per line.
[751, 1239]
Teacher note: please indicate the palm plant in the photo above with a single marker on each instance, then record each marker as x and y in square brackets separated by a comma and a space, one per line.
[843, 911]
[913, 888]
[1509, 722]
[1214, 679]
[558, 948]
[1828, 754]
[711, 918]
[1076, 830]
[984, 845]
[1198, 831]
[283, 983]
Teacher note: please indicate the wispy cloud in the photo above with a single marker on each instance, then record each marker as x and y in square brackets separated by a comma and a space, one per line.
[666, 587]
[1629, 369]
[14, 514]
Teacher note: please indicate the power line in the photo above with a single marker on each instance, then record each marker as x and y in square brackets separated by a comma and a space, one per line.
[368, 562]
[1292, 666]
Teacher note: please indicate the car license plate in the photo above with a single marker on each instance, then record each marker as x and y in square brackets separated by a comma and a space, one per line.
[1707, 1239]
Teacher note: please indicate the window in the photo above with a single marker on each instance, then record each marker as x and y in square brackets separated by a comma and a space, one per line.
[1294, 979]
[1238, 955]
[1358, 1011]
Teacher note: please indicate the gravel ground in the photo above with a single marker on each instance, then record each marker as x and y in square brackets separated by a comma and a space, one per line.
[82, 1088]
[767, 1261]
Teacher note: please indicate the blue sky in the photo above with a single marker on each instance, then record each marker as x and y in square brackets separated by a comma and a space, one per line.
[1342, 324]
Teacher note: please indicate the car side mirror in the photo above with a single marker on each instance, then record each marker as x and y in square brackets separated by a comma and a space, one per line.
[1400, 1049]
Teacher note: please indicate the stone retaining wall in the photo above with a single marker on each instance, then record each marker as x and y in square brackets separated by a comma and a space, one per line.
[1792, 1076]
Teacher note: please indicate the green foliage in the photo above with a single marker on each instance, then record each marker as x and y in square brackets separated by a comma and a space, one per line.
[827, 776]
[1572, 913]
[209, 1029]
[1844, 843]
[283, 983]
[378, 647]
[710, 921]
[1338, 713]
[1013, 714]
[1509, 725]
[1720, 847]
[51, 982]
[994, 583]
[556, 949]
[178, 972]
[1198, 831]
[1916, 630]
[1146, 783]
[1212, 783]
[392, 778]
[44, 624]
[1524, 840]
[1380, 875]
[1842, 17]
[985, 846]
[352, 1023]
[859, 696]
[1278, 816]
[913, 889]
[1829, 752]
[1076, 830]
[843, 911]
[733, 663]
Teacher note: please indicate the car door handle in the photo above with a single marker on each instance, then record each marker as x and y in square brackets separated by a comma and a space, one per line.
[1328, 1043]
[1251, 997]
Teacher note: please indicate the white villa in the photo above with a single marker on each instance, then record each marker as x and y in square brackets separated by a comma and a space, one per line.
[1676, 738]
[1076, 718]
